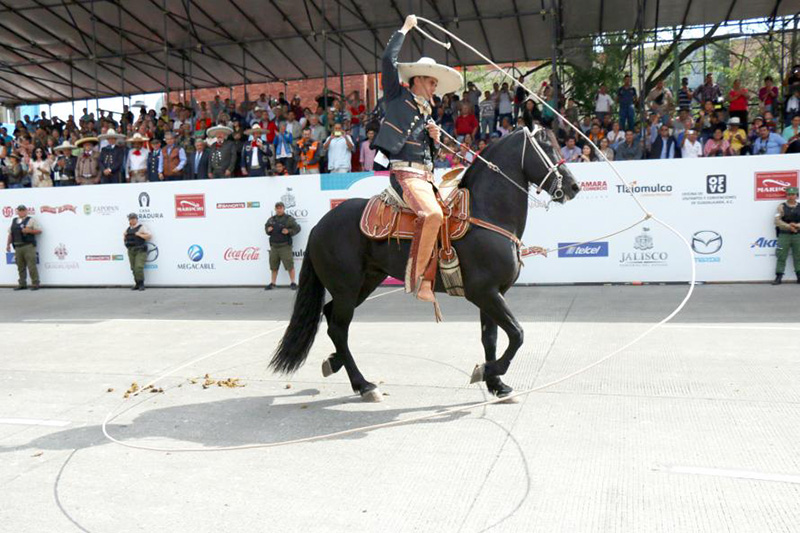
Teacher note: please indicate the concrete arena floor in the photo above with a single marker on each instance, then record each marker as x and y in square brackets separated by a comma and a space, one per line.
[694, 429]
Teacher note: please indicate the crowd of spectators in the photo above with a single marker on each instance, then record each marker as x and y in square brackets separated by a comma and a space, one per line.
[278, 137]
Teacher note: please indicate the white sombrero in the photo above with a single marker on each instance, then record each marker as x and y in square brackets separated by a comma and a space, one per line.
[215, 129]
[79, 142]
[255, 130]
[138, 138]
[64, 146]
[448, 77]
[110, 134]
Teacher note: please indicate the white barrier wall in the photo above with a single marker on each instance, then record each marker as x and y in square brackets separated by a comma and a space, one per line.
[212, 232]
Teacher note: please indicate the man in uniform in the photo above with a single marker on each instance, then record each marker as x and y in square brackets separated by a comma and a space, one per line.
[222, 157]
[281, 227]
[787, 220]
[112, 157]
[87, 170]
[22, 235]
[136, 237]
[406, 142]
[154, 160]
[255, 153]
[172, 161]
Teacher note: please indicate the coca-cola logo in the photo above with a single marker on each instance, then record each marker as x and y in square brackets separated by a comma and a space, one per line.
[251, 253]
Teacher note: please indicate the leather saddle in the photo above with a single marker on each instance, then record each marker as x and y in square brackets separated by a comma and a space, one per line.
[387, 216]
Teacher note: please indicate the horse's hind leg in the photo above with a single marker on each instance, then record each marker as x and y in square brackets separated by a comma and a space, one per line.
[334, 363]
[489, 341]
[338, 330]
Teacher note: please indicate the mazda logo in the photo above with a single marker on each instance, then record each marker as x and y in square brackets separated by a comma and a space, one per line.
[152, 252]
[706, 242]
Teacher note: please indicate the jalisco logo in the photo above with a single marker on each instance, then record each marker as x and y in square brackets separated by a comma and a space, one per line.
[772, 185]
[588, 249]
[58, 209]
[190, 205]
[707, 243]
[656, 189]
[290, 203]
[195, 253]
[251, 253]
[646, 254]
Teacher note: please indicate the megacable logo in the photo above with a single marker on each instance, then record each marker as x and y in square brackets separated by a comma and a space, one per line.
[190, 205]
[772, 185]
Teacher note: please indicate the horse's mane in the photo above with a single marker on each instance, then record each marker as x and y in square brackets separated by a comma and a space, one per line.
[489, 153]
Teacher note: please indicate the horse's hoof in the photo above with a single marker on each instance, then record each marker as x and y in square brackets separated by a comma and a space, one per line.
[372, 396]
[327, 367]
[477, 374]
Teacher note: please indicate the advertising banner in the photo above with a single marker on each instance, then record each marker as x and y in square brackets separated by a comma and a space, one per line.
[212, 232]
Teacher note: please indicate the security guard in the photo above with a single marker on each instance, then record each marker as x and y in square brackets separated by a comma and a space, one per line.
[407, 141]
[22, 235]
[136, 237]
[281, 227]
[787, 220]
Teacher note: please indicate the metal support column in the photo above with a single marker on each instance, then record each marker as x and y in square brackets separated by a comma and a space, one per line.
[375, 59]
[244, 72]
[166, 56]
[94, 60]
[121, 54]
[556, 26]
[341, 46]
[324, 60]
[72, 90]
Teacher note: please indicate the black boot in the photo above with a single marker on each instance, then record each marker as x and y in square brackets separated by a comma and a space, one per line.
[135, 287]
[141, 285]
[798, 277]
[778, 279]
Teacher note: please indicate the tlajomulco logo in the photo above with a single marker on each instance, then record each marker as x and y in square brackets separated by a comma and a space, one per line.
[764, 247]
[653, 189]
[715, 193]
[61, 254]
[706, 244]
[644, 252]
[195, 254]
[298, 255]
[290, 203]
[145, 212]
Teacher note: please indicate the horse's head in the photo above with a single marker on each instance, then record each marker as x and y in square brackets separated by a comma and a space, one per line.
[543, 166]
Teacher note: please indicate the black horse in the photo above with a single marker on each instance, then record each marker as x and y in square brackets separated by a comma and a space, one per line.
[350, 266]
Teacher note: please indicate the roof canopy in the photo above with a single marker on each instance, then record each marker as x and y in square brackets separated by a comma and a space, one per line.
[48, 47]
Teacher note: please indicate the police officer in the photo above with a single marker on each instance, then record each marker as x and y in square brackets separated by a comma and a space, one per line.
[281, 227]
[136, 237]
[22, 235]
[407, 141]
[787, 220]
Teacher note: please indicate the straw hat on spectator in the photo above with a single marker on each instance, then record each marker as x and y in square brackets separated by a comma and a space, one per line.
[14, 155]
[449, 79]
[64, 146]
[83, 140]
[111, 134]
[255, 130]
[212, 131]
[138, 138]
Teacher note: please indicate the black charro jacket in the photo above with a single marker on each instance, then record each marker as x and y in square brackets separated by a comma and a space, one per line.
[402, 134]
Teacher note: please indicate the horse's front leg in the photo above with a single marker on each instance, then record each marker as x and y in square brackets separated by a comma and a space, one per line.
[494, 306]
[489, 341]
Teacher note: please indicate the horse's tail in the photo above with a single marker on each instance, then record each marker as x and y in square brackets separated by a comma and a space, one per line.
[299, 336]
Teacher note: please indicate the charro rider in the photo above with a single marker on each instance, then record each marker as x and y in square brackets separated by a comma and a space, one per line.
[407, 141]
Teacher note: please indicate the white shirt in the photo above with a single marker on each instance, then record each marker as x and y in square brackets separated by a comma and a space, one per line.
[504, 103]
[137, 162]
[603, 103]
[339, 153]
[690, 149]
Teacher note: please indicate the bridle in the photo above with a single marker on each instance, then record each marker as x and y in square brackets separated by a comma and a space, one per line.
[556, 192]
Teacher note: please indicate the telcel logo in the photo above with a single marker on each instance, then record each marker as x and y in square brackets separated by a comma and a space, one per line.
[589, 249]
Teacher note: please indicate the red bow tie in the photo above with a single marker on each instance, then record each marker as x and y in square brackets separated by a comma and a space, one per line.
[137, 152]
[254, 144]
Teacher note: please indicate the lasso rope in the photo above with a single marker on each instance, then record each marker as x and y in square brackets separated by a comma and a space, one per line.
[111, 415]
